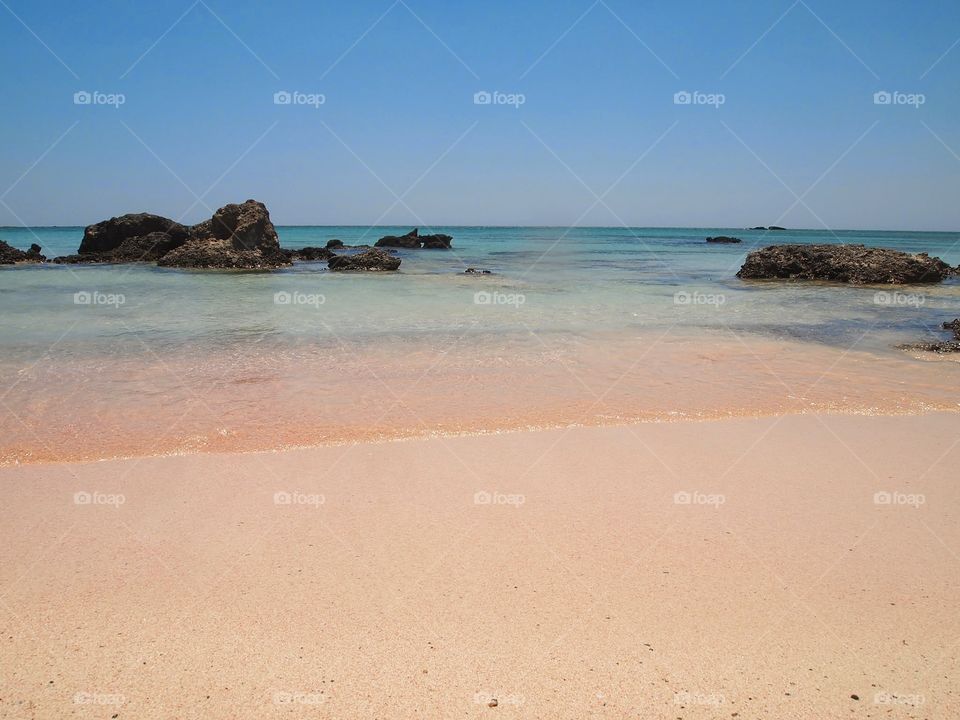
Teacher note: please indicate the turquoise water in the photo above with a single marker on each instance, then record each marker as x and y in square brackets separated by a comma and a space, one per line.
[584, 325]
[575, 280]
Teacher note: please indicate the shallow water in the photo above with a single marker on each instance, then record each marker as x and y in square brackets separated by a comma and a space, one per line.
[575, 326]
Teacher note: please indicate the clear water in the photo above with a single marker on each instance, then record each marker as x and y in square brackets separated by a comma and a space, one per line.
[572, 312]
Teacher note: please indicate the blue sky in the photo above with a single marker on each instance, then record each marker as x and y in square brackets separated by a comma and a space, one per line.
[198, 80]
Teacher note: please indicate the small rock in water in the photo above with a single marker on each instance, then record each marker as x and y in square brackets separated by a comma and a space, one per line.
[476, 271]
[723, 239]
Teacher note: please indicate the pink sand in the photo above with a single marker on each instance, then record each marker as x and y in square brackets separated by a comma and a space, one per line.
[388, 588]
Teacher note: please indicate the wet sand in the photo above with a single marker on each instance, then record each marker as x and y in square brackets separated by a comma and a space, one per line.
[735, 568]
[266, 396]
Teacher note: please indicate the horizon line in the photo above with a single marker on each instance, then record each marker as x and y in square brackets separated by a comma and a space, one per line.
[544, 227]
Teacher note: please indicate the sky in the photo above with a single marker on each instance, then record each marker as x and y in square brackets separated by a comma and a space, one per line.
[588, 122]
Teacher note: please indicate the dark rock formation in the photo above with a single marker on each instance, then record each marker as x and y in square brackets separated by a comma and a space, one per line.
[854, 264]
[334, 244]
[476, 271]
[10, 255]
[775, 227]
[759, 227]
[311, 253]
[236, 237]
[88, 259]
[723, 239]
[372, 259]
[436, 242]
[410, 240]
[138, 236]
[942, 347]
[414, 239]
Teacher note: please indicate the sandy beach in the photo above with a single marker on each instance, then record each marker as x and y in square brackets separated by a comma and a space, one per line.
[792, 567]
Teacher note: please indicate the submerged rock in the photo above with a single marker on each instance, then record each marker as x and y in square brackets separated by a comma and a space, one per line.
[723, 239]
[236, 237]
[414, 240]
[854, 264]
[476, 271]
[10, 255]
[943, 347]
[311, 254]
[370, 260]
[334, 244]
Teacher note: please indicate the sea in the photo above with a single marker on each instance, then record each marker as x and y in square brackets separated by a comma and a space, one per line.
[571, 326]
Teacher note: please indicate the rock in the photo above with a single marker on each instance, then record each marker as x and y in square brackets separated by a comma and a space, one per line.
[436, 242]
[10, 255]
[221, 254]
[475, 271]
[943, 347]
[723, 239]
[854, 264]
[759, 227]
[410, 240]
[334, 244]
[311, 253]
[138, 236]
[775, 227]
[493, 702]
[86, 259]
[236, 237]
[372, 260]
[414, 240]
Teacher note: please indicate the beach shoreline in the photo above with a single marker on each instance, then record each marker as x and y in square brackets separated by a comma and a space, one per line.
[768, 567]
